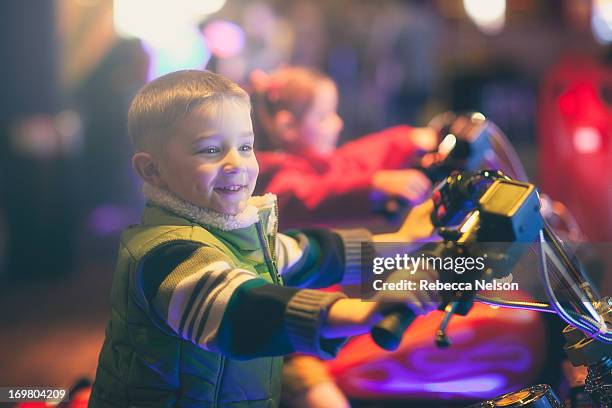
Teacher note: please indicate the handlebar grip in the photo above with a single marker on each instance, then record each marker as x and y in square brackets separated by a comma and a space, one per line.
[389, 331]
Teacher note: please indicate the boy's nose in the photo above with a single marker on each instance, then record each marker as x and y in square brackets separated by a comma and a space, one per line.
[340, 123]
[233, 161]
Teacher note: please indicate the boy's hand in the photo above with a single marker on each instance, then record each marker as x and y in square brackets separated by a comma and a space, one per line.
[350, 317]
[409, 184]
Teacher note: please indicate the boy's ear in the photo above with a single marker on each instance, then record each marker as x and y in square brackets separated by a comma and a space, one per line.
[147, 168]
[284, 121]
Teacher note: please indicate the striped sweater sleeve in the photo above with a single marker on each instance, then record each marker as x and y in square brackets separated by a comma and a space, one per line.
[202, 297]
[318, 257]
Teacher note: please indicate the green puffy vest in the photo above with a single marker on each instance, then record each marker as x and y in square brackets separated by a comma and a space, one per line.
[144, 364]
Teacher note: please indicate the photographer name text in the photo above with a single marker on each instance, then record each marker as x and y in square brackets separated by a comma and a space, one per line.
[423, 284]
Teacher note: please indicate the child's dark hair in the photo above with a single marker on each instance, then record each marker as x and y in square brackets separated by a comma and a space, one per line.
[162, 102]
[291, 89]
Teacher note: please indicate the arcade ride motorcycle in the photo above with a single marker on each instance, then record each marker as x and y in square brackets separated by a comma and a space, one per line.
[475, 208]
[484, 360]
[588, 315]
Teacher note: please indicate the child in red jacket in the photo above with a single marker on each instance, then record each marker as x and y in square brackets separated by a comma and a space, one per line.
[296, 111]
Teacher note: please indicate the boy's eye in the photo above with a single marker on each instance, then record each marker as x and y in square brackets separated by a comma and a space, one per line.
[210, 150]
[246, 148]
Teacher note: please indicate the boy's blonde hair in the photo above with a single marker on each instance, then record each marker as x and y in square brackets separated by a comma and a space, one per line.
[158, 106]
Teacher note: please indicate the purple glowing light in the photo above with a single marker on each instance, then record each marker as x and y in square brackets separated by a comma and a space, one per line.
[225, 39]
[468, 371]
[502, 354]
[491, 383]
[392, 378]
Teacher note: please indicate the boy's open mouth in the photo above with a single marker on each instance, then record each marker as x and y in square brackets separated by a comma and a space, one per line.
[236, 188]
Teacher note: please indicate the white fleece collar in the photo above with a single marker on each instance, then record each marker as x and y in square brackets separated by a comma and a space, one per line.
[205, 216]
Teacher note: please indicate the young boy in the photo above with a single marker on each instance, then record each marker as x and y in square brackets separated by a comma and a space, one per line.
[200, 316]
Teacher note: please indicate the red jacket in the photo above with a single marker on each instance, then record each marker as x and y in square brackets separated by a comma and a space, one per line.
[333, 189]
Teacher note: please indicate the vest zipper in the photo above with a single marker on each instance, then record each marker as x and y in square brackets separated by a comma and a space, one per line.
[270, 263]
[218, 385]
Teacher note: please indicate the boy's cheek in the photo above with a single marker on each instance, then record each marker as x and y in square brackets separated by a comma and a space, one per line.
[254, 170]
[254, 175]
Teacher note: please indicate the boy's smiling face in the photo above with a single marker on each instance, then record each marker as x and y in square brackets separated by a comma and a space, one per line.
[209, 160]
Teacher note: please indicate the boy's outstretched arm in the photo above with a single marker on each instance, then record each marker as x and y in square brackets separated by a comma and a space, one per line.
[196, 292]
